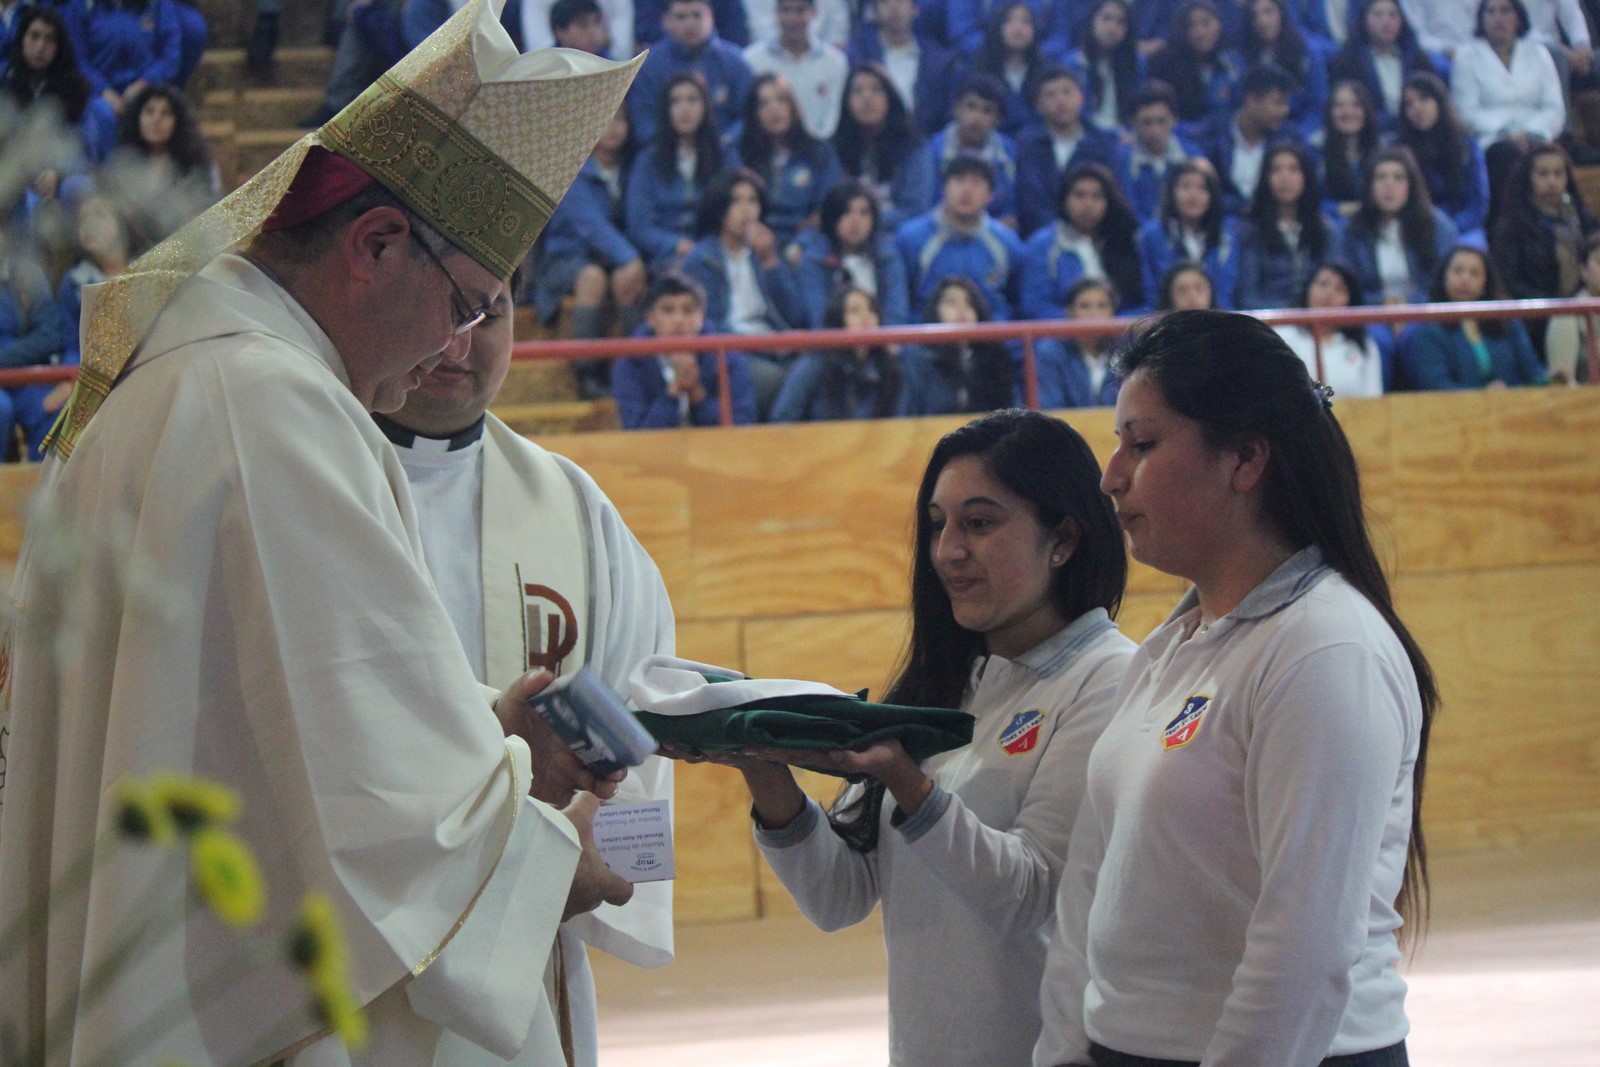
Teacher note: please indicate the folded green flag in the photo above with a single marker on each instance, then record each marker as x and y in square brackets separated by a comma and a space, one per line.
[814, 723]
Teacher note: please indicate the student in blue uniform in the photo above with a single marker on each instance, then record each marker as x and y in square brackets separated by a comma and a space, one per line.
[678, 388]
[1107, 64]
[878, 144]
[1381, 53]
[1191, 226]
[1270, 34]
[1196, 63]
[862, 382]
[960, 376]
[974, 134]
[30, 336]
[797, 168]
[1142, 162]
[1186, 287]
[925, 73]
[1469, 354]
[1010, 53]
[1094, 236]
[1060, 141]
[1396, 237]
[668, 177]
[1450, 157]
[850, 248]
[1349, 135]
[1284, 236]
[125, 45]
[1076, 373]
[691, 44]
[1237, 141]
[960, 238]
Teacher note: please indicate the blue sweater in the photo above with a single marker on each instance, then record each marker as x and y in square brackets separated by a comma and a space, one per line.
[1064, 377]
[927, 390]
[991, 257]
[820, 272]
[1000, 152]
[30, 323]
[659, 211]
[588, 222]
[939, 73]
[707, 264]
[1039, 179]
[720, 63]
[1271, 276]
[795, 191]
[1439, 356]
[1160, 246]
[119, 45]
[1142, 181]
[1360, 251]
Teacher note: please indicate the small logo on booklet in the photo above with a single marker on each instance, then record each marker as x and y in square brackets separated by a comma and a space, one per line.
[1023, 733]
[1181, 730]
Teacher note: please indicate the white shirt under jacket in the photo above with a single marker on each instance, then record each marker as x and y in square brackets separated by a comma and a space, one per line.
[628, 618]
[235, 555]
[1234, 869]
[968, 883]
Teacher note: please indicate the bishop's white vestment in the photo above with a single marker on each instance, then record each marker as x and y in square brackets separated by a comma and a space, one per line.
[537, 569]
[228, 581]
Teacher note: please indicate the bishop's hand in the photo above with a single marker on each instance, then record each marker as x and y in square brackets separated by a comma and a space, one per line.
[593, 884]
[557, 774]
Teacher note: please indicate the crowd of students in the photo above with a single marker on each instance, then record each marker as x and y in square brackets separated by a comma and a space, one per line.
[946, 160]
[950, 161]
[101, 156]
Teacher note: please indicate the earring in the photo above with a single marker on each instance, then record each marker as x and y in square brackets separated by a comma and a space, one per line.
[1055, 559]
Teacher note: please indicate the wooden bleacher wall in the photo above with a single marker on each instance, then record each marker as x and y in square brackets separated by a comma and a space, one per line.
[785, 549]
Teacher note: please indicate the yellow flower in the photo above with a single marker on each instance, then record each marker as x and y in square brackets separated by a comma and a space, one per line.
[227, 876]
[335, 1004]
[316, 947]
[196, 802]
[141, 816]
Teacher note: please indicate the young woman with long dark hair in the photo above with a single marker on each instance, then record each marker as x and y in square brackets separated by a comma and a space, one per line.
[849, 247]
[1349, 135]
[1249, 855]
[1107, 63]
[773, 141]
[1285, 236]
[1010, 52]
[1191, 226]
[960, 377]
[1018, 570]
[1270, 32]
[862, 382]
[1381, 52]
[878, 143]
[668, 178]
[1075, 372]
[1452, 162]
[1095, 236]
[1468, 353]
[162, 172]
[1195, 63]
[1396, 237]
[1350, 361]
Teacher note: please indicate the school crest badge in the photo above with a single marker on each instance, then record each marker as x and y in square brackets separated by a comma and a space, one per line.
[1022, 735]
[1181, 730]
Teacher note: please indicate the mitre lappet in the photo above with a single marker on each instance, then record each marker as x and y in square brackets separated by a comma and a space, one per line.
[479, 140]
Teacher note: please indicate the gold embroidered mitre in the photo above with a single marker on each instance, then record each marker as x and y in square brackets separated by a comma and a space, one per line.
[479, 140]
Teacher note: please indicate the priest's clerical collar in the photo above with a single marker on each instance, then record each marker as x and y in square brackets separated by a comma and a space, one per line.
[401, 437]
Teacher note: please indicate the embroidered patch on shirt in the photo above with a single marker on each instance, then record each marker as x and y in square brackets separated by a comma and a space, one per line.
[1181, 730]
[1023, 733]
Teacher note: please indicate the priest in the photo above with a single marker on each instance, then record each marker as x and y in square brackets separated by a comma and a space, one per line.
[223, 576]
[538, 571]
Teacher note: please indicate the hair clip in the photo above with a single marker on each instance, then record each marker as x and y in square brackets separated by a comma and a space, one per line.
[1323, 393]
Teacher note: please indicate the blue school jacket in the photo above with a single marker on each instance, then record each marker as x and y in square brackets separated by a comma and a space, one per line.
[1039, 179]
[1064, 377]
[707, 265]
[819, 273]
[1436, 355]
[720, 63]
[991, 257]
[1160, 246]
[659, 211]
[118, 46]
[1360, 251]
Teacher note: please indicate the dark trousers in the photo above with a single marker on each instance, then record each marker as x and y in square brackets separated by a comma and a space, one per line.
[1393, 1056]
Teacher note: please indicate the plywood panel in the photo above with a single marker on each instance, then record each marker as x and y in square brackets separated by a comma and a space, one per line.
[1496, 479]
[850, 651]
[1516, 750]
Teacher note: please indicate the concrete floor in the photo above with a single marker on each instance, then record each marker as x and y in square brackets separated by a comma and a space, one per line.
[1509, 974]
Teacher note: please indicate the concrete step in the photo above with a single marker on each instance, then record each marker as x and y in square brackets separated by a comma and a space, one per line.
[276, 108]
[257, 148]
[302, 67]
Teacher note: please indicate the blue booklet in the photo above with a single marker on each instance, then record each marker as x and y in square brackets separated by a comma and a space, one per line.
[600, 730]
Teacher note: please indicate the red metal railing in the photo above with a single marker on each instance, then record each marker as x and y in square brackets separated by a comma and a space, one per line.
[1026, 332]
